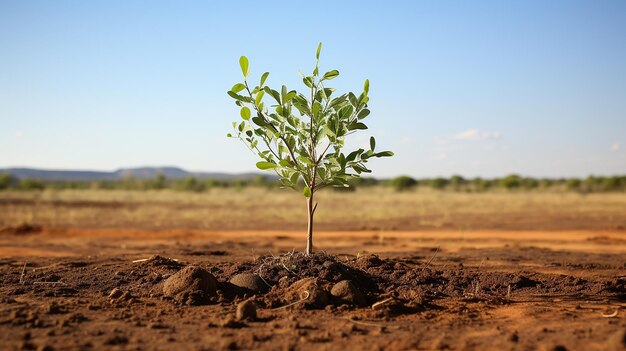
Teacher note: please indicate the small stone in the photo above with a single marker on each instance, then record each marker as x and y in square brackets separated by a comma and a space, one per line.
[345, 292]
[249, 281]
[246, 310]
[116, 293]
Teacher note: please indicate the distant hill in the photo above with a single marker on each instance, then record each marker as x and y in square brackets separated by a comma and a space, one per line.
[139, 173]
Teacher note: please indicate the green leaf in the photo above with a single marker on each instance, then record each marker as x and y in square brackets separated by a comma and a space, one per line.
[245, 113]
[229, 135]
[259, 121]
[236, 96]
[364, 113]
[319, 49]
[353, 99]
[384, 154]
[322, 173]
[366, 86]
[294, 178]
[308, 81]
[352, 156]
[372, 143]
[330, 75]
[243, 63]
[316, 108]
[238, 87]
[358, 125]
[264, 77]
[283, 163]
[273, 93]
[283, 93]
[290, 95]
[306, 191]
[259, 97]
[266, 165]
[306, 160]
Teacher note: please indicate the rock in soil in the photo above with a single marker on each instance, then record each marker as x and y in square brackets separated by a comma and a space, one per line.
[249, 281]
[191, 285]
[246, 310]
[345, 292]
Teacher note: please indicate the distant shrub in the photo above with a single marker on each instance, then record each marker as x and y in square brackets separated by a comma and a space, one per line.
[529, 183]
[403, 183]
[31, 184]
[480, 184]
[7, 181]
[192, 184]
[512, 181]
[438, 183]
[457, 182]
[157, 183]
[612, 184]
[573, 184]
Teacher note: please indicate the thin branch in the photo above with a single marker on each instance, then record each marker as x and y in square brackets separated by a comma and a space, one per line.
[323, 153]
[431, 259]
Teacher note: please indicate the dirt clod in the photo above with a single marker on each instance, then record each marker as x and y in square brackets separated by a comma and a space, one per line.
[345, 292]
[191, 285]
[309, 290]
[246, 310]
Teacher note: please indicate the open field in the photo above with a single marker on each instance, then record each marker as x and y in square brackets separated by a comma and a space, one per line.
[373, 208]
[504, 271]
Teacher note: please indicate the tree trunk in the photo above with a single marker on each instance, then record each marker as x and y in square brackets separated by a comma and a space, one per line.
[309, 240]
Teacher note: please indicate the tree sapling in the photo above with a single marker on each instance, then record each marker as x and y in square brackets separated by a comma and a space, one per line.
[301, 136]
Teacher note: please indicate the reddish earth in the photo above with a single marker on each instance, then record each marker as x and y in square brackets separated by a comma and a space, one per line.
[81, 289]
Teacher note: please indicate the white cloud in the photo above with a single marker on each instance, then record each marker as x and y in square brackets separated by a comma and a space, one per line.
[477, 135]
[615, 146]
[18, 134]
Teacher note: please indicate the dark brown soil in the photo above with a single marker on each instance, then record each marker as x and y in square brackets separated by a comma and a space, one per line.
[428, 300]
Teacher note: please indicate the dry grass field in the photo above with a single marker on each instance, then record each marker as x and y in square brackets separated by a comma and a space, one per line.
[375, 208]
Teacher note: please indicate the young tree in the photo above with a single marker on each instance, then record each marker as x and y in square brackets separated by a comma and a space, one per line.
[300, 136]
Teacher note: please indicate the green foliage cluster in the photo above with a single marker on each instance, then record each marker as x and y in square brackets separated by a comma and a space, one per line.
[591, 184]
[300, 136]
[160, 182]
[515, 182]
[403, 183]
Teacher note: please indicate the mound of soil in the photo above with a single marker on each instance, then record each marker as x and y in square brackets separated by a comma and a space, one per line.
[191, 285]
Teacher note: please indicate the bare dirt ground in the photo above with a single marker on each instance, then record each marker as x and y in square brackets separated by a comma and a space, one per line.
[504, 290]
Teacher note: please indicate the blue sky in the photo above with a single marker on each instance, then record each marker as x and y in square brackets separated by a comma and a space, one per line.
[480, 88]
